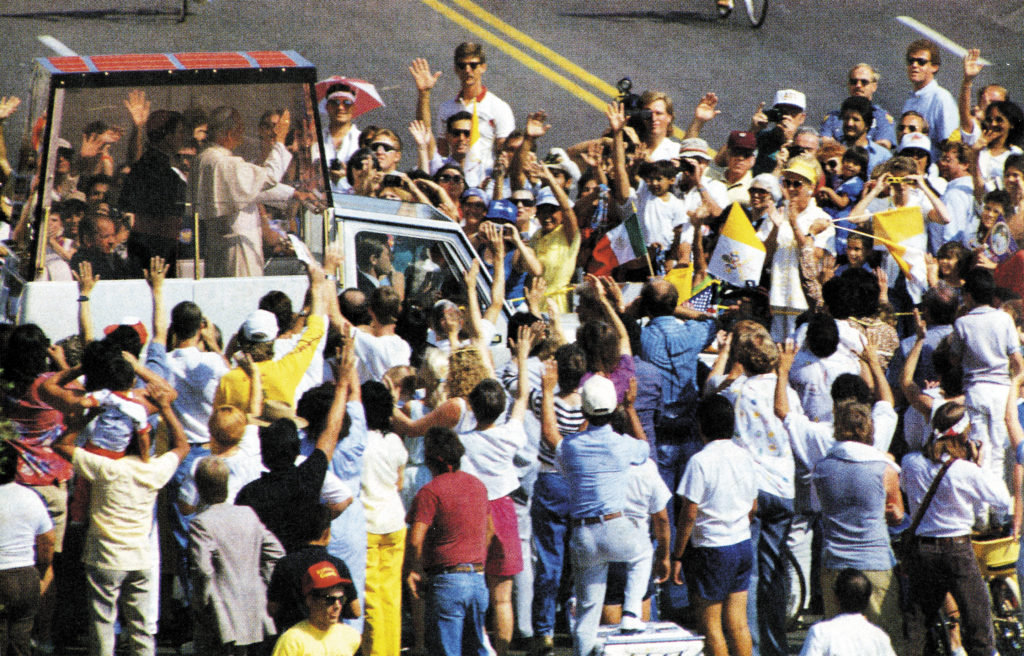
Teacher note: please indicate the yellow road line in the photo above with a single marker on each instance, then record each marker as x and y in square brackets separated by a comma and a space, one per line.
[528, 61]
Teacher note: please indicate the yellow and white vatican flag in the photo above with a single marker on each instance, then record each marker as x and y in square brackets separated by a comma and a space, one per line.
[739, 254]
[902, 232]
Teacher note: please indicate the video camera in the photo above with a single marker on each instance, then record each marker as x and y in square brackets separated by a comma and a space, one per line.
[637, 117]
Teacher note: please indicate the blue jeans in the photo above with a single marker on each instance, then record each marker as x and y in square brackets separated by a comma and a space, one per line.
[456, 605]
[592, 548]
[672, 459]
[550, 515]
[179, 521]
[769, 582]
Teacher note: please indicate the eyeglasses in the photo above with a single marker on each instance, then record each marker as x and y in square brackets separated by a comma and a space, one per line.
[857, 82]
[383, 145]
[909, 128]
[920, 61]
[792, 184]
[471, 65]
[523, 202]
[459, 133]
[449, 177]
[331, 599]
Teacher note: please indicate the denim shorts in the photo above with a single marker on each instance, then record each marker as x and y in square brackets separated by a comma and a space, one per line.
[713, 573]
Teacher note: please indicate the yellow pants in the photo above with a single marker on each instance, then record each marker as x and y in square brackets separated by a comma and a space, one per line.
[382, 635]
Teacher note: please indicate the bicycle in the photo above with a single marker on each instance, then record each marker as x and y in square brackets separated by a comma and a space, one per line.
[796, 602]
[756, 10]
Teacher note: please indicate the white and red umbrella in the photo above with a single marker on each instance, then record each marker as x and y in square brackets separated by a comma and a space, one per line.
[367, 97]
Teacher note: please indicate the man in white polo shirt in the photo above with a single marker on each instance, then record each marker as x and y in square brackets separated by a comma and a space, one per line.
[492, 117]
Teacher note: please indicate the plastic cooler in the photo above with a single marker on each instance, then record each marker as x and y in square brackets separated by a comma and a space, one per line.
[996, 554]
[658, 639]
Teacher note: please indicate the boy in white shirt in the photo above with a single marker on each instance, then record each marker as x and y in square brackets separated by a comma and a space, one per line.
[990, 352]
[719, 492]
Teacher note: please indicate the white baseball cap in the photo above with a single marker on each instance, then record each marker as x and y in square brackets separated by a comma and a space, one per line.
[790, 97]
[260, 326]
[599, 397]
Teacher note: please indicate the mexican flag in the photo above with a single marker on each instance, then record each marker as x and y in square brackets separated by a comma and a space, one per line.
[619, 245]
[739, 254]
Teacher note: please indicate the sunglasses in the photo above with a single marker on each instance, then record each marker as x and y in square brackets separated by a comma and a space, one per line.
[523, 202]
[792, 184]
[331, 599]
[383, 145]
[473, 207]
[909, 128]
[459, 133]
[920, 61]
[857, 82]
[448, 177]
[795, 150]
[344, 102]
[471, 65]
[742, 153]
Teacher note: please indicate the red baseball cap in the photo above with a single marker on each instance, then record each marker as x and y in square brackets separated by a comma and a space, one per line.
[321, 576]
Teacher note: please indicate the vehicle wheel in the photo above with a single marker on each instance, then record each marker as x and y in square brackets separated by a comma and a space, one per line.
[756, 11]
[797, 591]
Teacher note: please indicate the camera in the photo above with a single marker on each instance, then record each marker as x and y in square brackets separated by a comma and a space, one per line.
[637, 117]
[774, 114]
[335, 164]
[392, 181]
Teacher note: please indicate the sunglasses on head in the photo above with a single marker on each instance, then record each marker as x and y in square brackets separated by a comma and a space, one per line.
[383, 145]
[471, 65]
[459, 133]
[920, 61]
[449, 177]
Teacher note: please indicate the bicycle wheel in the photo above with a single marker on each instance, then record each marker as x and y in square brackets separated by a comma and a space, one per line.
[756, 11]
[797, 591]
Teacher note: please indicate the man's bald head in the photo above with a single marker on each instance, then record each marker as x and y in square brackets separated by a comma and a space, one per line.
[659, 298]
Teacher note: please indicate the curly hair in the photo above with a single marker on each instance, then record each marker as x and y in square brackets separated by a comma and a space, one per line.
[853, 422]
[466, 368]
[755, 350]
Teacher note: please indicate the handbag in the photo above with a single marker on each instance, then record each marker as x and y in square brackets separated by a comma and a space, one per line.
[908, 539]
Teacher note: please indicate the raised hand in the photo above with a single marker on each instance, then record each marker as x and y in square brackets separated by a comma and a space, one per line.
[759, 119]
[422, 76]
[157, 271]
[420, 132]
[707, 108]
[138, 107]
[616, 115]
[536, 126]
[86, 281]
[7, 106]
[284, 123]
[972, 66]
[787, 353]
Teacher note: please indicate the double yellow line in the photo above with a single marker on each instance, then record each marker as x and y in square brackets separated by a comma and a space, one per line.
[525, 59]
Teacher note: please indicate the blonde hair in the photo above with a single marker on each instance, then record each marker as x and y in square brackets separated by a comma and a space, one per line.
[853, 422]
[432, 376]
[755, 350]
[227, 425]
[466, 368]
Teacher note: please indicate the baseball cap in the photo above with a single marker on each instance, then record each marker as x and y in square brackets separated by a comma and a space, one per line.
[769, 183]
[274, 410]
[802, 168]
[790, 97]
[477, 192]
[599, 396]
[742, 139]
[695, 147]
[501, 211]
[132, 322]
[546, 197]
[321, 576]
[915, 141]
[557, 158]
[260, 326]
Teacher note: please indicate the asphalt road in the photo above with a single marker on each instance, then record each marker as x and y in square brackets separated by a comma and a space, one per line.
[680, 47]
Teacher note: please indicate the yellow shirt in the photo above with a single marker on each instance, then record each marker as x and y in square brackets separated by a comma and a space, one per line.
[279, 377]
[304, 639]
[558, 257]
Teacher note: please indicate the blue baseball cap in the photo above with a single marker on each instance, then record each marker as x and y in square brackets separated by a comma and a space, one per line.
[502, 211]
[476, 191]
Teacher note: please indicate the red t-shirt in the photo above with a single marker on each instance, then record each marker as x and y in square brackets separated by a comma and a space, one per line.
[454, 507]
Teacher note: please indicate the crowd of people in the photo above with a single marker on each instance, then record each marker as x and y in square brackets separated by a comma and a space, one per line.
[362, 473]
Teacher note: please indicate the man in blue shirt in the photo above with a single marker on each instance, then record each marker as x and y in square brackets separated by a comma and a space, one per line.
[863, 82]
[931, 101]
[595, 463]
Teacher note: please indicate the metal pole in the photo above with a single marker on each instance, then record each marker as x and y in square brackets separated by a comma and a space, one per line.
[195, 243]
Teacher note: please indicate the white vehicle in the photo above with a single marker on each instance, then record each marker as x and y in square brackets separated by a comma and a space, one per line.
[71, 95]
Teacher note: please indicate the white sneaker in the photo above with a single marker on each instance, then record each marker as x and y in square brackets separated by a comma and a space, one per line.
[630, 624]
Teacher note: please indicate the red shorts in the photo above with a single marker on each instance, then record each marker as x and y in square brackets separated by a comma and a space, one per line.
[505, 554]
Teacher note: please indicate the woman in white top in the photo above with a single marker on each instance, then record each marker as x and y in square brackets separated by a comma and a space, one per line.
[383, 470]
[942, 559]
[1001, 134]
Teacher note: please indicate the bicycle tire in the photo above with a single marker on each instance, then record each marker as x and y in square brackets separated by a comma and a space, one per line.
[797, 593]
[756, 11]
